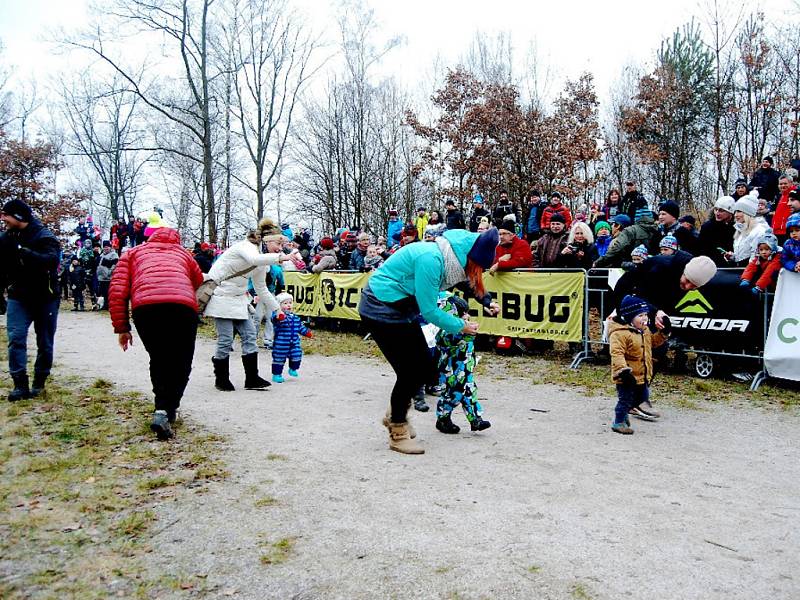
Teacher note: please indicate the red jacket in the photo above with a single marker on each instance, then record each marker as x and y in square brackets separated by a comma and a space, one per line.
[551, 210]
[763, 274]
[521, 257]
[159, 271]
[782, 213]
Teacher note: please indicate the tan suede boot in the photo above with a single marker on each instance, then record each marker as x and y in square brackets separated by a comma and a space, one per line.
[400, 440]
[388, 419]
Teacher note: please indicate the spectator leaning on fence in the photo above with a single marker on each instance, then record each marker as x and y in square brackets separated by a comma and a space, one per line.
[549, 246]
[791, 247]
[512, 252]
[627, 238]
[761, 273]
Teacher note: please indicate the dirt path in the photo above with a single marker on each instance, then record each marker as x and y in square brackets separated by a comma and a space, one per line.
[543, 505]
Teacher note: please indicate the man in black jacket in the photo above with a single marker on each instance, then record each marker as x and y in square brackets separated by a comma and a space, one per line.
[478, 212]
[454, 218]
[633, 203]
[29, 256]
[766, 180]
[716, 234]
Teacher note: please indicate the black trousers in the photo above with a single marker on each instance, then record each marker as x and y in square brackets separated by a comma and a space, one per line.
[404, 346]
[102, 291]
[168, 333]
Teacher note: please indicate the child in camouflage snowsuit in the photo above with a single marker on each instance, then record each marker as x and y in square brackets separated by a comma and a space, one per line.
[456, 368]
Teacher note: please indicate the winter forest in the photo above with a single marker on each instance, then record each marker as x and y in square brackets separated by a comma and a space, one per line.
[235, 109]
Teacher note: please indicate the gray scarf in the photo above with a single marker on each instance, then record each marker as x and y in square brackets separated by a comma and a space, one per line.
[453, 271]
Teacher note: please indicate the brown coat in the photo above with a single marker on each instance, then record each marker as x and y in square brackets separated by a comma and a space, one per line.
[632, 349]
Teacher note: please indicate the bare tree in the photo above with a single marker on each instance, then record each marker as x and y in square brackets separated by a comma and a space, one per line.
[102, 120]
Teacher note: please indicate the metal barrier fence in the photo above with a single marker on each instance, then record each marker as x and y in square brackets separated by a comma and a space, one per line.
[597, 294]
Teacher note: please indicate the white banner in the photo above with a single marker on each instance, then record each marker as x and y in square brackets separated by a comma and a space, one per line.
[782, 352]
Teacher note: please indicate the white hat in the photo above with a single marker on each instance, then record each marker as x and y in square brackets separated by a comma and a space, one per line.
[700, 270]
[747, 204]
[283, 296]
[725, 203]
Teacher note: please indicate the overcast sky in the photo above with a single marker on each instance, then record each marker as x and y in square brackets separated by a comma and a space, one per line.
[570, 37]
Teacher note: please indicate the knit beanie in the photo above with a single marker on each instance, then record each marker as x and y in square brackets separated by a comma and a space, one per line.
[747, 204]
[739, 182]
[326, 243]
[770, 240]
[558, 218]
[270, 232]
[483, 250]
[725, 203]
[19, 210]
[669, 241]
[700, 270]
[283, 296]
[601, 225]
[508, 225]
[688, 219]
[640, 250]
[632, 306]
[670, 207]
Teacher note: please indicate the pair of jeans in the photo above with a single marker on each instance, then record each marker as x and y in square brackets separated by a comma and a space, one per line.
[227, 329]
[20, 315]
[168, 333]
[628, 397]
[404, 346]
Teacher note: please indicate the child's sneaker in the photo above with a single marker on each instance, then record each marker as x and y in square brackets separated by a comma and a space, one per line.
[278, 378]
[622, 428]
[294, 373]
[643, 414]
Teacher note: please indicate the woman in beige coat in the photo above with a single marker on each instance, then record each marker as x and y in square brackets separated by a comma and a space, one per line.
[230, 305]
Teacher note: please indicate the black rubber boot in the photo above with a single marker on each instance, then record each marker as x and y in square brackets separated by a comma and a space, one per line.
[479, 425]
[160, 425]
[252, 381]
[222, 375]
[21, 390]
[446, 425]
[39, 380]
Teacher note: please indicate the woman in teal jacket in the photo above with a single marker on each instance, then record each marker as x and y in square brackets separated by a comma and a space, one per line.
[407, 287]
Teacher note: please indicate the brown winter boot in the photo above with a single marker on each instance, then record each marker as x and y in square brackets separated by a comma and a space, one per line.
[400, 440]
[387, 419]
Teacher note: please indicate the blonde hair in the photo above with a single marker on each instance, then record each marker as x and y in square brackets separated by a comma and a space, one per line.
[587, 232]
[749, 223]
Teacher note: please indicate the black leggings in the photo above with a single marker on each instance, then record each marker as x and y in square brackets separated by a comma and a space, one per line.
[404, 346]
[168, 333]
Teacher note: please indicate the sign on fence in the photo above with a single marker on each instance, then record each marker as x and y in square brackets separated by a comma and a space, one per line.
[782, 352]
[547, 306]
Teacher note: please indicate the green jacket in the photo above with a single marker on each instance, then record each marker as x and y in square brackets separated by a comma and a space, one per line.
[621, 246]
[417, 270]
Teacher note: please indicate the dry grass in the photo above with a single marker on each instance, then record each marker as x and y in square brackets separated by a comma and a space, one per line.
[81, 473]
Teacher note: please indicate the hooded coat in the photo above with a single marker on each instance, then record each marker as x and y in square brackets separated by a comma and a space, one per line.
[632, 349]
[159, 271]
[621, 246]
[417, 272]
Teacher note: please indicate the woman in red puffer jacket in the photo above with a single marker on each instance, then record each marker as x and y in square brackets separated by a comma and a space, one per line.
[158, 280]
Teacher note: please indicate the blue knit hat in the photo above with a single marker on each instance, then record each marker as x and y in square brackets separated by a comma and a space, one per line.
[483, 250]
[669, 241]
[632, 306]
[640, 250]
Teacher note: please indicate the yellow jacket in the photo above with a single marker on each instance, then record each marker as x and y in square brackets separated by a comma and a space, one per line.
[632, 349]
[421, 223]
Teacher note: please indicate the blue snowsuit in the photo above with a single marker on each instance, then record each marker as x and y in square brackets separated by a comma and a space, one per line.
[286, 343]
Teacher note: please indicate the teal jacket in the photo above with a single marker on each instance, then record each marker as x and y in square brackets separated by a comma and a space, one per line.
[417, 270]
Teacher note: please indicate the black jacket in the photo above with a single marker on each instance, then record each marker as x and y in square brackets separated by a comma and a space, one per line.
[713, 236]
[766, 180]
[475, 219]
[454, 219]
[630, 203]
[29, 261]
[509, 208]
[656, 281]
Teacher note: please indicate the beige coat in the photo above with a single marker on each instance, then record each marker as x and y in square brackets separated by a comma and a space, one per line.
[230, 299]
[632, 349]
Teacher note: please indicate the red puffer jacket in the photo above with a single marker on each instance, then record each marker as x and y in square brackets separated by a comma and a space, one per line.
[160, 271]
[782, 213]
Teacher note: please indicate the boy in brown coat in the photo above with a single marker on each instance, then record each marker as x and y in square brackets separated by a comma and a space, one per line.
[632, 357]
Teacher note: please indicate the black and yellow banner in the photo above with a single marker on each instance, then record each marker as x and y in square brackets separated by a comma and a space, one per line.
[545, 306]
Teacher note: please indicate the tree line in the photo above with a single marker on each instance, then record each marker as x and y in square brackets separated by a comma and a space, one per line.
[236, 108]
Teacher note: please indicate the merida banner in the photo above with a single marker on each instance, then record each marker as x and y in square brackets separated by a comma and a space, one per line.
[782, 352]
[544, 306]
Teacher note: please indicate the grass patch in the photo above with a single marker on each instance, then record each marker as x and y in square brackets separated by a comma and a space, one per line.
[273, 456]
[277, 552]
[82, 474]
[580, 592]
[265, 501]
[534, 569]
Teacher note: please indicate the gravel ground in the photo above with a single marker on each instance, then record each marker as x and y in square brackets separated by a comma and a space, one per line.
[702, 505]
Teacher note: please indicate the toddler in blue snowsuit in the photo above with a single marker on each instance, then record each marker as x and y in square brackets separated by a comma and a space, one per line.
[286, 343]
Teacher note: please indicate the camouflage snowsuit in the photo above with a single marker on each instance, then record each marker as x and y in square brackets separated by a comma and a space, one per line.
[456, 367]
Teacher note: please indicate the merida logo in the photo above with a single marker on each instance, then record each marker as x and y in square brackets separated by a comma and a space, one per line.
[694, 303]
